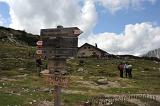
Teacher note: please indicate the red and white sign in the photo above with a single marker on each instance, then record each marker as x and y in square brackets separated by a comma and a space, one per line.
[77, 32]
[39, 43]
[39, 52]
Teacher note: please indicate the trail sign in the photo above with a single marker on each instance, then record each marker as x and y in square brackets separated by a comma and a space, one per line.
[59, 44]
[39, 52]
[60, 41]
[57, 80]
[39, 43]
[77, 32]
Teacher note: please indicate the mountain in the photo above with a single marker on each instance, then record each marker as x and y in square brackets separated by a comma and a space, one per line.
[153, 53]
[17, 37]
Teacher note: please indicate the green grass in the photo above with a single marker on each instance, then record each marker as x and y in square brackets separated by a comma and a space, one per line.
[10, 100]
[144, 76]
[12, 58]
[73, 99]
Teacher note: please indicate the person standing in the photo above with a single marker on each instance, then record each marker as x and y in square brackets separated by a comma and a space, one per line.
[130, 71]
[126, 69]
[39, 65]
[121, 68]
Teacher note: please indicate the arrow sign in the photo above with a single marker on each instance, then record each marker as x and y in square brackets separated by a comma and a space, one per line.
[39, 43]
[39, 52]
[77, 32]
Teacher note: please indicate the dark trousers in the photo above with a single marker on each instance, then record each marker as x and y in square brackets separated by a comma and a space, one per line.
[130, 73]
[127, 73]
[121, 73]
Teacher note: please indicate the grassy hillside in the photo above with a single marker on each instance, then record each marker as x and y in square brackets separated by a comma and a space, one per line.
[15, 58]
[10, 35]
[21, 86]
[146, 75]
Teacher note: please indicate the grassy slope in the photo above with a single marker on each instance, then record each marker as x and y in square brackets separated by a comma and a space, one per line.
[24, 90]
[13, 57]
[145, 74]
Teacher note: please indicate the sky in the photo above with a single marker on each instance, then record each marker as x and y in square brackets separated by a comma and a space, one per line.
[117, 26]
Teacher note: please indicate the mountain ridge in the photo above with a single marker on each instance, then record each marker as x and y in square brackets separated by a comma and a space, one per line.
[153, 53]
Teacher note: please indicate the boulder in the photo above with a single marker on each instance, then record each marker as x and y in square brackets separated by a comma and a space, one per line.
[102, 81]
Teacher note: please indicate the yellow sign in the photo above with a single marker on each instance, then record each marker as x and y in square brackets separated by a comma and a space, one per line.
[59, 80]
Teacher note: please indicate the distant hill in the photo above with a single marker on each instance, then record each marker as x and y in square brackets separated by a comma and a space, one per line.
[153, 53]
[17, 37]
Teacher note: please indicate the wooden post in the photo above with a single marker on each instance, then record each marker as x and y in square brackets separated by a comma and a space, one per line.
[56, 63]
[59, 44]
[57, 98]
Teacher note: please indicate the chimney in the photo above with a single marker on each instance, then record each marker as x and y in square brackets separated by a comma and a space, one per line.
[96, 45]
[59, 26]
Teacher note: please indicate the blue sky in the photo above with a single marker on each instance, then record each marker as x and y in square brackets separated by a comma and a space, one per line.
[4, 12]
[111, 22]
[117, 26]
[115, 22]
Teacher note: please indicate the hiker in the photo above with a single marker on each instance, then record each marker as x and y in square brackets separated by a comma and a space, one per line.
[38, 62]
[121, 68]
[130, 71]
[126, 69]
[39, 65]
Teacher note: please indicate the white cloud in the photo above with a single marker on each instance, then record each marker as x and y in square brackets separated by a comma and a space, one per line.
[32, 15]
[136, 39]
[116, 5]
[88, 17]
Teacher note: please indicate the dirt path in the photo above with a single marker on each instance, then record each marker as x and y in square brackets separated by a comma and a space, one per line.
[132, 98]
[137, 102]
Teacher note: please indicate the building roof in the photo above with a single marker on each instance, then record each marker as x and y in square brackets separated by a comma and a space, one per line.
[87, 44]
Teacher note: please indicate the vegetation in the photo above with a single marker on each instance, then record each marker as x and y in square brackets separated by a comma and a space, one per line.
[21, 86]
[19, 36]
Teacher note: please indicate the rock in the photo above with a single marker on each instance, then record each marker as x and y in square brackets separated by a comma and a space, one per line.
[30, 103]
[21, 76]
[80, 69]
[46, 90]
[21, 69]
[45, 72]
[34, 101]
[102, 81]
[81, 78]
[98, 65]
[18, 94]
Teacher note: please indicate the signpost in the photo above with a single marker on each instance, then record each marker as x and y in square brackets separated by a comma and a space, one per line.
[39, 55]
[59, 44]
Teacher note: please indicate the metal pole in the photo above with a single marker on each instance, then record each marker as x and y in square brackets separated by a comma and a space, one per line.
[57, 98]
